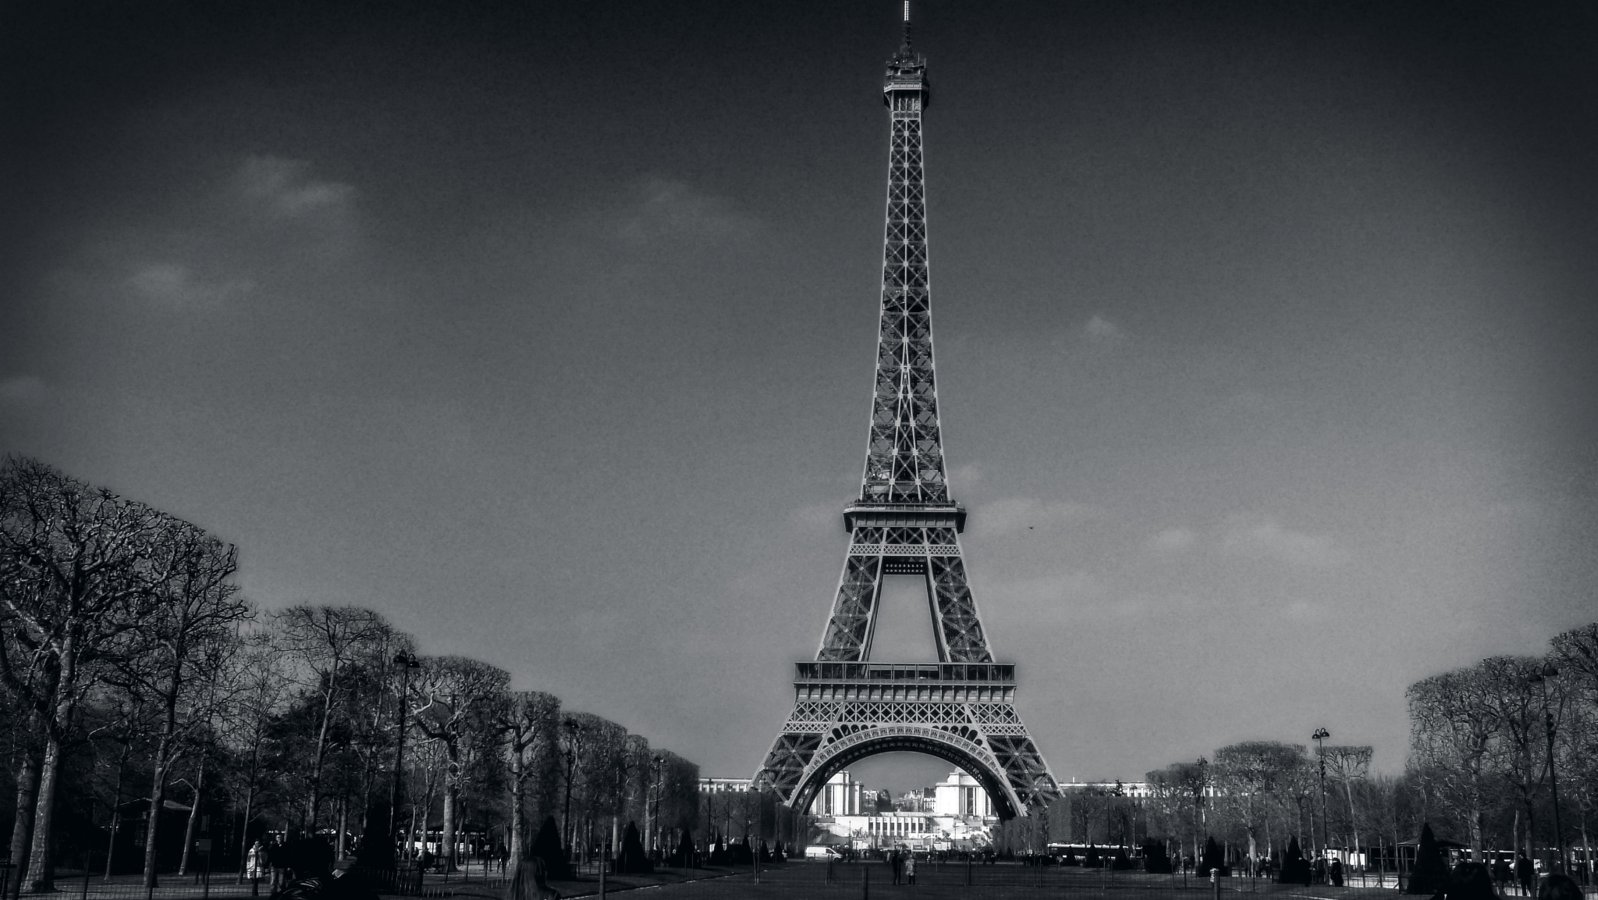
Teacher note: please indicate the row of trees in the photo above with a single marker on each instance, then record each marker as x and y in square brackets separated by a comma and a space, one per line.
[1254, 796]
[138, 678]
[1503, 755]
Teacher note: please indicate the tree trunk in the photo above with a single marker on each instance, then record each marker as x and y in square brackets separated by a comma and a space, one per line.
[43, 880]
[249, 807]
[116, 808]
[518, 791]
[447, 829]
[194, 817]
[342, 845]
[27, 797]
[1353, 823]
[153, 818]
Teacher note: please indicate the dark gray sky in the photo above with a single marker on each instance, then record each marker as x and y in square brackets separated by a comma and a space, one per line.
[1265, 335]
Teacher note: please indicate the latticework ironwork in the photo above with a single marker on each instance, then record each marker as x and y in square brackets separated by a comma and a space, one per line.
[905, 523]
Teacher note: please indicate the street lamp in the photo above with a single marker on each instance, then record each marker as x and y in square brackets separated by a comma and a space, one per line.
[1541, 677]
[574, 733]
[1320, 737]
[406, 662]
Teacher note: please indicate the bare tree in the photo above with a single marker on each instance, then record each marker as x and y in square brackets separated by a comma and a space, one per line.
[79, 568]
[179, 654]
[1453, 724]
[1348, 764]
[527, 722]
[1250, 777]
[454, 704]
[245, 724]
[326, 644]
[593, 778]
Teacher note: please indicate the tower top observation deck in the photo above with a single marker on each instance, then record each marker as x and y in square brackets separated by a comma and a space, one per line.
[907, 71]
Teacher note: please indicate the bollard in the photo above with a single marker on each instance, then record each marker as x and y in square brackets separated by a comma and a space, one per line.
[1215, 883]
[968, 870]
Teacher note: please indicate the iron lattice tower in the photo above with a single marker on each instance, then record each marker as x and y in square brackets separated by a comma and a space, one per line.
[962, 707]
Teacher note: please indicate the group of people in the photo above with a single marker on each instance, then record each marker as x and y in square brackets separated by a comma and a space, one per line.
[1477, 881]
[300, 869]
[1523, 873]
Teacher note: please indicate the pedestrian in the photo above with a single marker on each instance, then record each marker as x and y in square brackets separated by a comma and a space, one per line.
[255, 867]
[278, 863]
[504, 855]
[1501, 875]
[1524, 873]
[910, 869]
[896, 864]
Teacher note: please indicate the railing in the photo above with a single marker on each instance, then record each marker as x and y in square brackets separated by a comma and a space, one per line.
[980, 673]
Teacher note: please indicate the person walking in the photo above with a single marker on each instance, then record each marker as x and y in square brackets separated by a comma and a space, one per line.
[255, 866]
[278, 862]
[1524, 873]
[910, 869]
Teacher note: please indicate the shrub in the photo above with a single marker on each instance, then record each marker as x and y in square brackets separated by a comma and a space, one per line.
[1295, 868]
[1430, 875]
[633, 859]
[1212, 858]
[546, 846]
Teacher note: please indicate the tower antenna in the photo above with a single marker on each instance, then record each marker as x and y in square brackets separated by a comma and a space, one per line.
[906, 48]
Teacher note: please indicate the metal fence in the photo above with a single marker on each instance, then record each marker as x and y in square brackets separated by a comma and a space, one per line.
[797, 879]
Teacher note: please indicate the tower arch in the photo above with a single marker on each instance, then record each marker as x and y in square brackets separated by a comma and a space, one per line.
[963, 754]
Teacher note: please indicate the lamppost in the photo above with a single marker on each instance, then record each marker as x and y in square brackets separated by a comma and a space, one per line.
[1198, 804]
[1541, 677]
[406, 662]
[574, 733]
[1320, 737]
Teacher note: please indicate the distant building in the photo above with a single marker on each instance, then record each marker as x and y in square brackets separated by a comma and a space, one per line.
[722, 785]
[956, 813]
[843, 796]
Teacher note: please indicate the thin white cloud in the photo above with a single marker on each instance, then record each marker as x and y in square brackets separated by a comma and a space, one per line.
[1102, 331]
[1014, 514]
[23, 390]
[1173, 540]
[667, 208]
[286, 189]
[176, 286]
[1262, 536]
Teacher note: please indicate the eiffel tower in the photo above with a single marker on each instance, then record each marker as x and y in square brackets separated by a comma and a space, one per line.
[960, 708]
